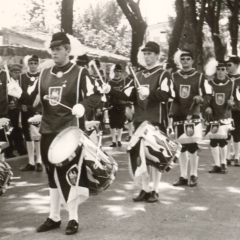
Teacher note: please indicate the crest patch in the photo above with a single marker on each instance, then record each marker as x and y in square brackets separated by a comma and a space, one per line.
[55, 94]
[184, 91]
[72, 175]
[220, 98]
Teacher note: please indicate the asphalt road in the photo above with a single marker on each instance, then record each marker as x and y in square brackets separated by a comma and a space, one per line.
[209, 211]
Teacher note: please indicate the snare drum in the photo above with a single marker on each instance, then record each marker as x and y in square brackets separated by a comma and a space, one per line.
[5, 176]
[72, 143]
[188, 131]
[5, 130]
[219, 129]
[160, 151]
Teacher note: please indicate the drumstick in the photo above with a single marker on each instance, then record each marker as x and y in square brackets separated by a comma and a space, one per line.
[193, 103]
[134, 75]
[98, 73]
[99, 143]
[47, 97]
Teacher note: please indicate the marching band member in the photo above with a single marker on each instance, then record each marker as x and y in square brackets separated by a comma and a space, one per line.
[219, 108]
[71, 85]
[28, 82]
[232, 67]
[149, 103]
[116, 112]
[16, 136]
[190, 88]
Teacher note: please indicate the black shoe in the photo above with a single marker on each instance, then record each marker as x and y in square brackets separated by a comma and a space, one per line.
[72, 227]
[143, 196]
[128, 138]
[193, 181]
[224, 168]
[215, 169]
[119, 144]
[229, 162]
[181, 182]
[28, 167]
[48, 225]
[153, 197]
[113, 144]
[237, 163]
[39, 167]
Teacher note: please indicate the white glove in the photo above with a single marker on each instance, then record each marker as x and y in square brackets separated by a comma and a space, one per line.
[4, 121]
[14, 89]
[170, 130]
[78, 110]
[143, 92]
[208, 111]
[35, 119]
[106, 88]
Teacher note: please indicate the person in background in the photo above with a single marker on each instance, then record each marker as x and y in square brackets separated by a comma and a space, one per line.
[28, 82]
[233, 74]
[16, 137]
[117, 107]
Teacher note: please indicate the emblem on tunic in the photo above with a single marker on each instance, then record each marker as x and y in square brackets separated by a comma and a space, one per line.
[55, 94]
[32, 79]
[220, 98]
[189, 129]
[72, 175]
[233, 78]
[185, 76]
[184, 91]
[59, 74]
[214, 128]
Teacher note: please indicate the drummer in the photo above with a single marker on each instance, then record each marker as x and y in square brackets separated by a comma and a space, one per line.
[73, 86]
[155, 89]
[191, 90]
[219, 109]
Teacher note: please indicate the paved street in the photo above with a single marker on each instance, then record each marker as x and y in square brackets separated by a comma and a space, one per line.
[209, 211]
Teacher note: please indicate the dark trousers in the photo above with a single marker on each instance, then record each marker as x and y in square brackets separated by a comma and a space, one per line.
[16, 136]
[45, 143]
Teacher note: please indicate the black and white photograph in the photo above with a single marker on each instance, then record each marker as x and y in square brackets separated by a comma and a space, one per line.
[106, 112]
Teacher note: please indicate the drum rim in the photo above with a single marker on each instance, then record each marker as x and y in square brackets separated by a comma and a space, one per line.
[57, 137]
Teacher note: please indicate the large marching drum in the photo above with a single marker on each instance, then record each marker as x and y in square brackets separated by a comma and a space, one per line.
[71, 145]
[159, 150]
[5, 170]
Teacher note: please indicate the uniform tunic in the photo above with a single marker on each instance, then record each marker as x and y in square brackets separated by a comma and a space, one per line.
[236, 109]
[153, 108]
[28, 82]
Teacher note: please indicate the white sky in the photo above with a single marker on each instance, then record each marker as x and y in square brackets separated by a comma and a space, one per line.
[154, 10]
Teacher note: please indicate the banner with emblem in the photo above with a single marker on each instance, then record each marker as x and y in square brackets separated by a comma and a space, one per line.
[218, 129]
[188, 131]
[72, 180]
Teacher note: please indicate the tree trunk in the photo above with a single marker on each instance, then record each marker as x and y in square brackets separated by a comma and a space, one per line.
[67, 16]
[132, 12]
[177, 30]
[199, 38]
[233, 25]
[213, 15]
